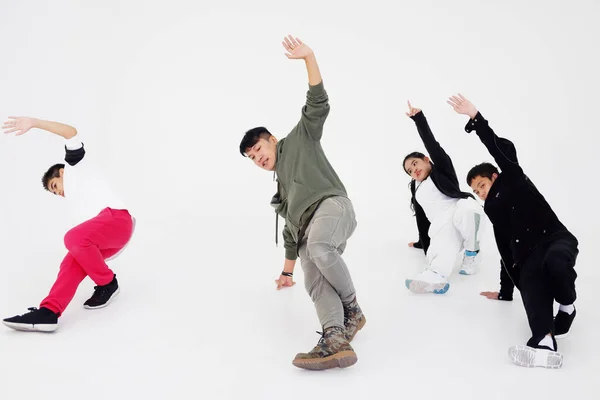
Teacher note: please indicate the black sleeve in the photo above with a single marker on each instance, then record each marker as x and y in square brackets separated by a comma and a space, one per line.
[506, 284]
[422, 221]
[503, 150]
[435, 150]
[72, 157]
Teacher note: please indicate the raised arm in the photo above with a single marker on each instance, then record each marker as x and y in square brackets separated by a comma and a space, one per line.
[503, 150]
[439, 157]
[316, 109]
[20, 125]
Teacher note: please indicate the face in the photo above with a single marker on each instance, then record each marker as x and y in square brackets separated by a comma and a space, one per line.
[481, 186]
[264, 153]
[55, 185]
[418, 169]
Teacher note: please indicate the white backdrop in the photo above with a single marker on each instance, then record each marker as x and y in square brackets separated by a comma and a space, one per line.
[162, 93]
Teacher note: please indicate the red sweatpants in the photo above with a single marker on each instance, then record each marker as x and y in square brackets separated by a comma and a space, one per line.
[89, 244]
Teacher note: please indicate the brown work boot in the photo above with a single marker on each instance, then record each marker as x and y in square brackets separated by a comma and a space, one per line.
[333, 350]
[354, 319]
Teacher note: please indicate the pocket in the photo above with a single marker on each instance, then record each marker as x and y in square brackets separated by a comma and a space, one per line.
[297, 196]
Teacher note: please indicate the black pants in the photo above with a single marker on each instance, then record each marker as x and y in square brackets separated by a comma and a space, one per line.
[548, 274]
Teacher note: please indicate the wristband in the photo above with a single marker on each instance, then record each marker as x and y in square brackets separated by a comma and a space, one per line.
[290, 274]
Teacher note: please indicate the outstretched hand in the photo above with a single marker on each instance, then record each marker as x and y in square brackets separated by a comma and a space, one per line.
[296, 50]
[412, 111]
[284, 281]
[17, 125]
[490, 295]
[462, 105]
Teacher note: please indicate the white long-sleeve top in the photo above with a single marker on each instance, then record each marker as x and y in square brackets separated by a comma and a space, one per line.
[85, 189]
[434, 202]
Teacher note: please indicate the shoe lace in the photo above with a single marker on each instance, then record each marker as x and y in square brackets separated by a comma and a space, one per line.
[100, 291]
[322, 337]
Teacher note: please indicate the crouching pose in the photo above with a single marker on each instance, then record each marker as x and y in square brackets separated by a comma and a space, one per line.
[319, 219]
[448, 219]
[102, 229]
[538, 252]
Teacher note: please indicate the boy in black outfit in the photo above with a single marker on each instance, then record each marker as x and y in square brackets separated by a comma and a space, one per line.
[538, 252]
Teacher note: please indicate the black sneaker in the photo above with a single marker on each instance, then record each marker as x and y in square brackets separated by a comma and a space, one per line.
[102, 295]
[36, 320]
[562, 323]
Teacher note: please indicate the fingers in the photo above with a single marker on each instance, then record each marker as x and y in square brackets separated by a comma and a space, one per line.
[490, 295]
[411, 244]
[288, 42]
[13, 130]
[294, 41]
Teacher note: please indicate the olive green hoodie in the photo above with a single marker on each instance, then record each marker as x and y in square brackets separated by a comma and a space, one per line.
[304, 175]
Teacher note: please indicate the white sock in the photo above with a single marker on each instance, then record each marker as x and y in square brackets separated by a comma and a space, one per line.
[568, 309]
[547, 341]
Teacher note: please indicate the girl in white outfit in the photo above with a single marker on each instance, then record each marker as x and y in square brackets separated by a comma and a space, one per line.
[448, 219]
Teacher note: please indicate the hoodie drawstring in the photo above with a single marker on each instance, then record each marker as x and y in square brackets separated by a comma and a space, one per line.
[276, 217]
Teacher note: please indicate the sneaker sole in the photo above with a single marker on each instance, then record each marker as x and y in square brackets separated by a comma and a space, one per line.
[360, 325]
[105, 304]
[31, 327]
[465, 272]
[422, 287]
[564, 335]
[343, 359]
[529, 357]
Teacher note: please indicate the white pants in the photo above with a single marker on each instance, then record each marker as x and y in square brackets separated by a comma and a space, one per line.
[451, 233]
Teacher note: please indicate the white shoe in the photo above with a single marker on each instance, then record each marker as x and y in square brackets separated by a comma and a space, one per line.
[470, 264]
[530, 357]
[427, 281]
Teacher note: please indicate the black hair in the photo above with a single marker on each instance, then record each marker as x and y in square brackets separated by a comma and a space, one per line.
[53, 172]
[414, 154]
[252, 137]
[485, 170]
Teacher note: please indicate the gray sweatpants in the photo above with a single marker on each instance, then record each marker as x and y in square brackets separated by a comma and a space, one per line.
[326, 276]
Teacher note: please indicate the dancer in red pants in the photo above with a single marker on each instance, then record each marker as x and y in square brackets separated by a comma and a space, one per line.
[102, 229]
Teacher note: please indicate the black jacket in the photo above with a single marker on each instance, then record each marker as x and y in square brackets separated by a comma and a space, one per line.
[442, 174]
[521, 216]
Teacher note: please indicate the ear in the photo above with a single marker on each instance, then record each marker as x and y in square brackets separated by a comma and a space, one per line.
[62, 170]
[427, 160]
[494, 176]
[273, 139]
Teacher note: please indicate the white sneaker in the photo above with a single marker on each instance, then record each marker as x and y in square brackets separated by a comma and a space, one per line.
[470, 264]
[530, 357]
[427, 281]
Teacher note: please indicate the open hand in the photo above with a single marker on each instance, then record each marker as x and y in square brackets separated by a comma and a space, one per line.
[284, 281]
[490, 295]
[412, 111]
[462, 105]
[17, 125]
[295, 48]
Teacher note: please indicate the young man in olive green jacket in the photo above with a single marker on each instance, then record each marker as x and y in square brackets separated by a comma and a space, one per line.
[319, 219]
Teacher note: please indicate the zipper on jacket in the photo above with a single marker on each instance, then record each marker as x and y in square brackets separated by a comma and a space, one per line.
[507, 272]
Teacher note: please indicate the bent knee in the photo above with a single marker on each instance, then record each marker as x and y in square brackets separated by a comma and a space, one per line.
[75, 241]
